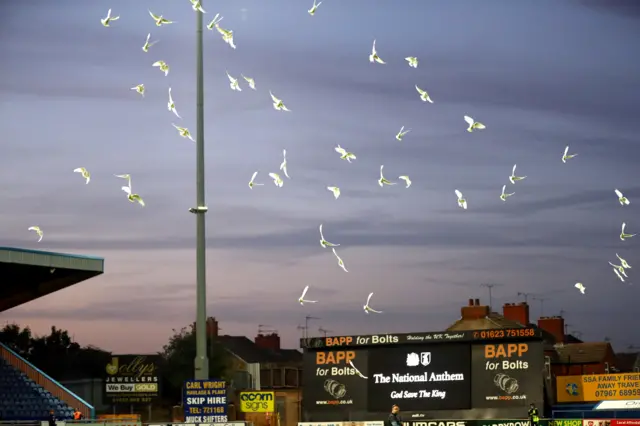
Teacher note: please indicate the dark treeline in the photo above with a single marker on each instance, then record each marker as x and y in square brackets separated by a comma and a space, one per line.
[63, 359]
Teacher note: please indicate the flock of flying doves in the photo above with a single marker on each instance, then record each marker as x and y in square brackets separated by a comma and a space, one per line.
[227, 36]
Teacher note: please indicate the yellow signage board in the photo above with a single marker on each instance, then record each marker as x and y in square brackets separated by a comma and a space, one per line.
[257, 402]
[598, 387]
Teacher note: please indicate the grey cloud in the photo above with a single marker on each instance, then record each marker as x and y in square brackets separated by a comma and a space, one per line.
[624, 8]
[596, 199]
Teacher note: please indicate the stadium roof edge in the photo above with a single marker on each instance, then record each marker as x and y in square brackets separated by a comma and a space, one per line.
[51, 253]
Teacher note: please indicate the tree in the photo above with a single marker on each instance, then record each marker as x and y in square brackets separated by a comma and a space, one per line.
[178, 361]
[56, 354]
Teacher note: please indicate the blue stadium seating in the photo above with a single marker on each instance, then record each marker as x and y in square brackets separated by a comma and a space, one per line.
[22, 399]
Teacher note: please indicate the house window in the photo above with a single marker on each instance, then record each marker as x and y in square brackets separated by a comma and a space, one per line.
[265, 378]
[277, 377]
[291, 377]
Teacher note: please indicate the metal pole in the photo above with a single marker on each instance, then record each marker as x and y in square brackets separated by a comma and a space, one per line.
[201, 362]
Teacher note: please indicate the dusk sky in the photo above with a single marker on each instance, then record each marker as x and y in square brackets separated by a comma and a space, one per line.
[541, 74]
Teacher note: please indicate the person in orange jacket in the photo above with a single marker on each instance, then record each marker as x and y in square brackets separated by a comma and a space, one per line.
[77, 415]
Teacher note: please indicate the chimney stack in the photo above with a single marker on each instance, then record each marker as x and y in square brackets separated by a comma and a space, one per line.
[474, 310]
[554, 326]
[268, 341]
[518, 312]
[212, 327]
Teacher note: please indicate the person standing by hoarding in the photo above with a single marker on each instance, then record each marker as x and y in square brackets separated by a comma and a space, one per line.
[534, 416]
[394, 418]
[52, 418]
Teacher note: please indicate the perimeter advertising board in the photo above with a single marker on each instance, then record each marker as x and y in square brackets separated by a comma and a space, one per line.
[331, 382]
[507, 374]
[205, 401]
[433, 377]
[257, 402]
[598, 387]
[132, 379]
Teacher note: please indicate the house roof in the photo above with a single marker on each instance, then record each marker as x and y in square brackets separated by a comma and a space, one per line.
[492, 321]
[627, 361]
[582, 353]
[245, 349]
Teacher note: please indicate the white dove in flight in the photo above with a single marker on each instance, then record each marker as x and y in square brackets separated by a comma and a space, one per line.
[324, 243]
[171, 106]
[184, 132]
[406, 179]
[38, 231]
[374, 55]
[367, 308]
[133, 197]
[623, 262]
[252, 181]
[462, 202]
[513, 178]
[163, 67]
[196, 5]
[85, 173]
[566, 156]
[580, 287]
[344, 154]
[424, 96]
[362, 376]
[412, 60]
[215, 21]
[250, 81]
[283, 165]
[473, 125]
[160, 20]
[127, 189]
[139, 89]
[233, 83]
[340, 262]
[619, 268]
[278, 105]
[315, 7]
[302, 300]
[125, 176]
[227, 35]
[106, 21]
[620, 277]
[147, 44]
[277, 180]
[624, 201]
[401, 133]
[335, 190]
[623, 234]
[383, 181]
[505, 195]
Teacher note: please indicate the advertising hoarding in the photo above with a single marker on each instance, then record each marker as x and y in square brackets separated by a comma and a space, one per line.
[132, 379]
[524, 333]
[330, 382]
[598, 387]
[205, 401]
[419, 378]
[506, 374]
[596, 422]
[257, 402]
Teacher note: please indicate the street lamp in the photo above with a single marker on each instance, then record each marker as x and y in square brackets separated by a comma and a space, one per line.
[201, 363]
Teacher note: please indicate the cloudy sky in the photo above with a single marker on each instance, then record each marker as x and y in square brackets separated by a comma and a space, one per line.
[541, 74]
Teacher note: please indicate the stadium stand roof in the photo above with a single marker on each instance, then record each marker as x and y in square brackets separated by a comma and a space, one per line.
[26, 275]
